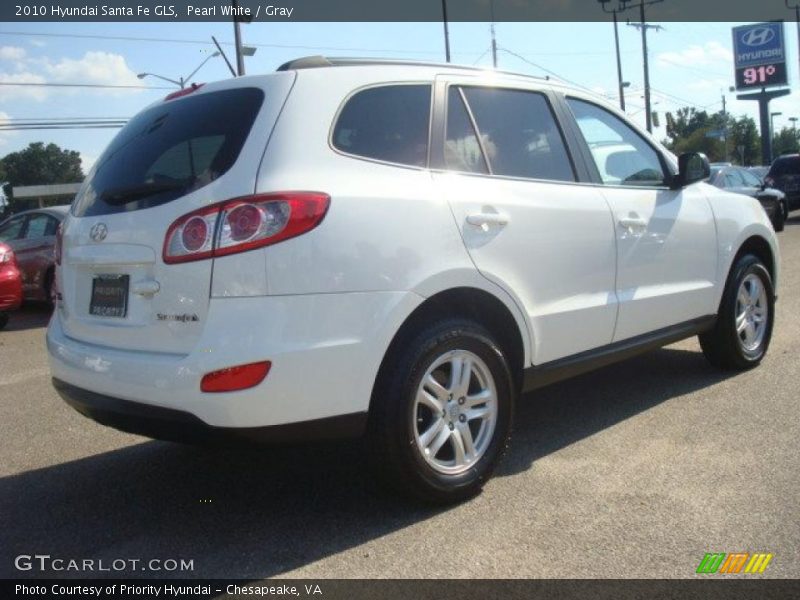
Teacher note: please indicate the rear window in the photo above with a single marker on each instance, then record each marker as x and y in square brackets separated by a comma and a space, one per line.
[388, 123]
[170, 150]
[785, 166]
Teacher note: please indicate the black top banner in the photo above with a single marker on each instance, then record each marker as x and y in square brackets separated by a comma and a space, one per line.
[394, 10]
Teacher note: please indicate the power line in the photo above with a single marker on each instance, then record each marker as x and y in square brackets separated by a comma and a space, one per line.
[265, 45]
[208, 43]
[37, 119]
[52, 126]
[84, 85]
[548, 71]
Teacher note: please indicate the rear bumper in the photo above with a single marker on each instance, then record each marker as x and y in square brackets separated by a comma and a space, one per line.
[180, 426]
[10, 290]
[325, 352]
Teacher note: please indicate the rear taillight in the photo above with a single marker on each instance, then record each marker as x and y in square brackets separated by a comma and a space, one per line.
[192, 236]
[235, 378]
[243, 224]
[59, 243]
[7, 256]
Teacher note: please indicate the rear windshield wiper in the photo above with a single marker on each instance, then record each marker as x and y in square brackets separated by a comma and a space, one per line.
[121, 195]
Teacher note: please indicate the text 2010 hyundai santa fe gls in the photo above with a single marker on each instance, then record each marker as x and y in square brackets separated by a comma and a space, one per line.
[394, 250]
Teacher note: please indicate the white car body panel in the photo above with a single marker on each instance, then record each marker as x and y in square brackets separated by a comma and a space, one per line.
[667, 266]
[325, 306]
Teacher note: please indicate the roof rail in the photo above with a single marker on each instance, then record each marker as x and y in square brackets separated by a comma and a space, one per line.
[313, 62]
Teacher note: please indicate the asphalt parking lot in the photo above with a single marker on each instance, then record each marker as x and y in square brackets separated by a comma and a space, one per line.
[636, 470]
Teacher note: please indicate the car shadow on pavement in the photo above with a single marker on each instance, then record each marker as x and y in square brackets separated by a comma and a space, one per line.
[256, 514]
[33, 315]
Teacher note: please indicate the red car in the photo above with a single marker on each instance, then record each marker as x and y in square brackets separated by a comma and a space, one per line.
[10, 283]
[32, 236]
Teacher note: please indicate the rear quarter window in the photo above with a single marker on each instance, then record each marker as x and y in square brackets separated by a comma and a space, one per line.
[387, 123]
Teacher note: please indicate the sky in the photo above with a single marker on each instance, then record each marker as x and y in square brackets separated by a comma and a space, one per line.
[691, 64]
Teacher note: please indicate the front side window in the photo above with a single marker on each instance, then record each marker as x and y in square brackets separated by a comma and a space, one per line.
[621, 155]
[750, 180]
[733, 179]
[387, 123]
[519, 134]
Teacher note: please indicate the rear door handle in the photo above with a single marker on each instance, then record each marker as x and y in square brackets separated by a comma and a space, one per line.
[484, 219]
[632, 223]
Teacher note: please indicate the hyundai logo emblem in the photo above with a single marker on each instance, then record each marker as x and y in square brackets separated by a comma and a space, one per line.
[98, 232]
[758, 36]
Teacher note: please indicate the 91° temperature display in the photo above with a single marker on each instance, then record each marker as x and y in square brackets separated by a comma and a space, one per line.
[761, 76]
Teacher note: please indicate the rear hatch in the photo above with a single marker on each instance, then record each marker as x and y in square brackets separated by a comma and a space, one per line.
[785, 175]
[176, 156]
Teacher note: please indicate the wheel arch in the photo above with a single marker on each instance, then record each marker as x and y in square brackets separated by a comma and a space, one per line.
[760, 247]
[472, 303]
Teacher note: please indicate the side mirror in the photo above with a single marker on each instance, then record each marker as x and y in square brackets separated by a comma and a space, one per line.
[692, 167]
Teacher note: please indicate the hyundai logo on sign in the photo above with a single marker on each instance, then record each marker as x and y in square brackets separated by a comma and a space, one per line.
[758, 36]
[758, 44]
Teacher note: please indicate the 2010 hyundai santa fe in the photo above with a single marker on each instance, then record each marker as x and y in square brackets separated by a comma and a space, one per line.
[394, 250]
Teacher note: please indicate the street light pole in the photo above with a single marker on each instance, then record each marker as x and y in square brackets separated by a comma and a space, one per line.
[446, 32]
[181, 81]
[620, 87]
[772, 116]
[237, 38]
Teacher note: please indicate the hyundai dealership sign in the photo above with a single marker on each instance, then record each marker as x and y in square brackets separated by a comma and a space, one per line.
[759, 55]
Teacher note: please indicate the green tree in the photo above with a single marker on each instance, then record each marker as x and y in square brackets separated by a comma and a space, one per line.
[719, 136]
[40, 165]
[786, 141]
[744, 142]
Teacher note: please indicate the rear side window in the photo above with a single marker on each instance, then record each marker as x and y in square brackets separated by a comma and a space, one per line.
[387, 123]
[170, 150]
[519, 134]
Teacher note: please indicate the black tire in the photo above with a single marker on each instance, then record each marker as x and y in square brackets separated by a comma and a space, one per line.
[394, 418]
[3, 319]
[49, 292]
[722, 345]
[779, 219]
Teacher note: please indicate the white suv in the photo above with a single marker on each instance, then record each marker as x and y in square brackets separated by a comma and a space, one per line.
[394, 250]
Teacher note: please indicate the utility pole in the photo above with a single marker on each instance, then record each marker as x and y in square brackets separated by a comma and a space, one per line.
[724, 128]
[446, 32]
[494, 40]
[620, 87]
[643, 27]
[619, 65]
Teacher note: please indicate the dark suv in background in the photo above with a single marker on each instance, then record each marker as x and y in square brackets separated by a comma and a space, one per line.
[785, 176]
